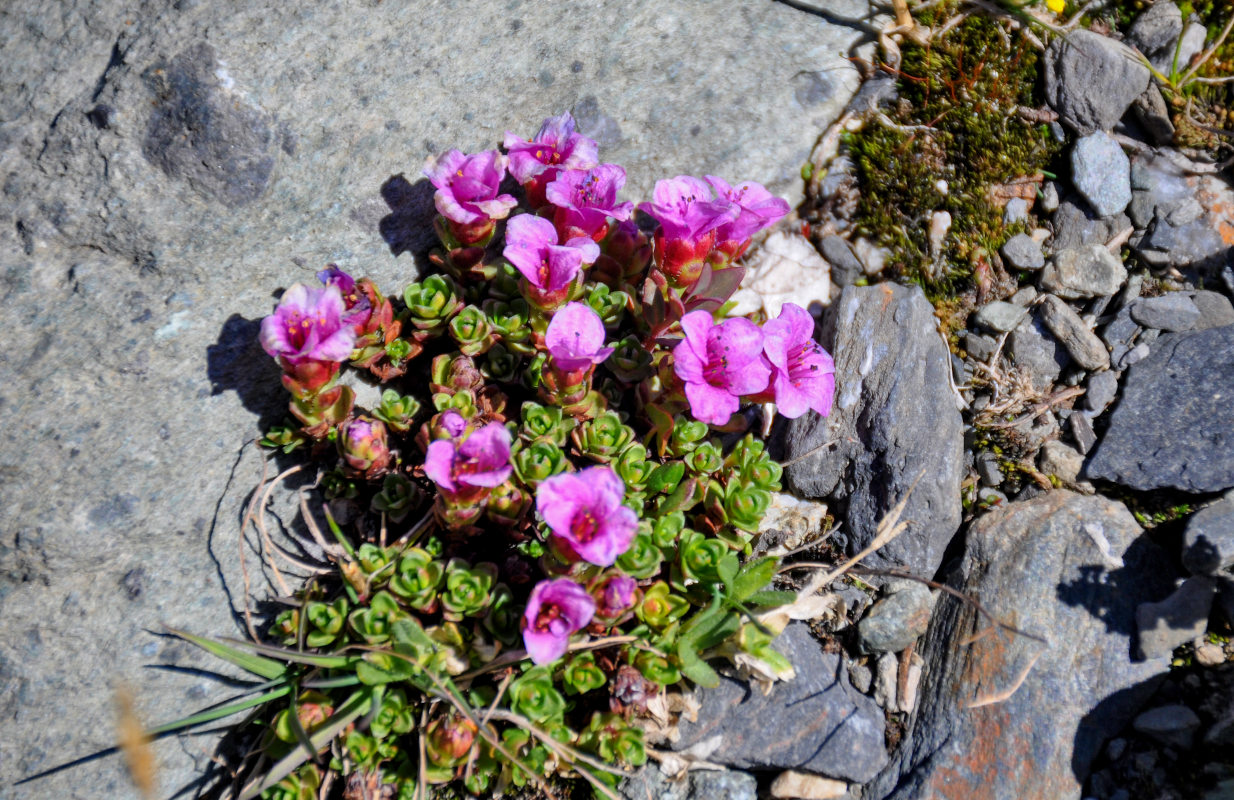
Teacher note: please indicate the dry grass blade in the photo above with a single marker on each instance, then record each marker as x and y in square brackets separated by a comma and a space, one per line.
[998, 697]
[134, 742]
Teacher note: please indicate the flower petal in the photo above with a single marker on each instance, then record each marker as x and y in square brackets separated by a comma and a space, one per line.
[439, 464]
[711, 404]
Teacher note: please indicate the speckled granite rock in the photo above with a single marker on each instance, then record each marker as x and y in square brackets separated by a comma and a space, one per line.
[167, 165]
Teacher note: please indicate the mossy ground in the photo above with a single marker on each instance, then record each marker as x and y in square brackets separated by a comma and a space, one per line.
[965, 88]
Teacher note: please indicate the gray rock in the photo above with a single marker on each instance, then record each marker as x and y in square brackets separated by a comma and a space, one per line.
[649, 781]
[1022, 252]
[1208, 543]
[894, 424]
[978, 346]
[988, 470]
[1134, 355]
[1090, 80]
[1082, 432]
[1015, 211]
[1176, 620]
[1101, 390]
[898, 619]
[135, 277]
[1191, 43]
[1033, 347]
[1049, 197]
[1120, 334]
[1063, 566]
[1082, 344]
[1086, 271]
[1155, 33]
[845, 266]
[886, 681]
[1024, 296]
[861, 676]
[1172, 725]
[1175, 237]
[816, 722]
[1076, 224]
[1061, 461]
[1174, 311]
[1000, 317]
[1101, 172]
[1154, 116]
[1215, 309]
[1172, 426]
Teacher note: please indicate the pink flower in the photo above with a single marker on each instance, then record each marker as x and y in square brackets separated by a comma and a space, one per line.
[803, 374]
[308, 325]
[718, 364]
[688, 217]
[481, 459]
[584, 510]
[555, 609]
[362, 443]
[614, 596]
[468, 185]
[575, 338]
[758, 209]
[531, 246]
[358, 306]
[557, 147]
[586, 200]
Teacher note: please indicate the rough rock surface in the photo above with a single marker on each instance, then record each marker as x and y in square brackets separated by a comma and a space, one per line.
[167, 165]
[1208, 543]
[1086, 271]
[1062, 566]
[1189, 218]
[894, 424]
[1091, 80]
[1176, 619]
[1101, 172]
[1082, 344]
[816, 722]
[697, 785]
[1175, 422]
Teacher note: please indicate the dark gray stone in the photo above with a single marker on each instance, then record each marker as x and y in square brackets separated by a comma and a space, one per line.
[895, 425]
[1155, 33]
[1101, 172]
[1062, 566]
[897, 619]
[1000, 317]
[1082, 432]
[1120, 334]
[650, 782]
[1174, 424]
[1033, 347]
[1086, 271]
[1075, 224]
[1215, 309]
[1208, 543]
[988, 470]
[1175, 620]
[1022, 252]
[1154, 116]
[1172, 725]
[1100, 391]
[1081, 343]
[1174, 311]
[845, 266]
[1176, 235]
[979, 346]
[203, 133]
[1090, 80]
[816, 722]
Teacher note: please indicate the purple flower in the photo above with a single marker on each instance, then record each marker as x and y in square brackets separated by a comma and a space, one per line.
[575, 338]
[357, 303]
[481, 459]
[718, 364]
[584, 510]
[688, 217]
[614, 596]
[556, 147]
[531, 246]
[758, 209]
[362, 443]
[555, 609]
[308, 325]
[803, 374]
[467, 186]
[586, 199]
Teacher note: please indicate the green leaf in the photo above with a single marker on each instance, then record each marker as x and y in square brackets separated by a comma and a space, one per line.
[347, 713]
[219, 712]
[727, 570]
[378, 668]
[296, 656]
[408, 631]
[772, 597]
[666, 477]
[265, 667]
[755, 576]
[683, 497]
[695, 668]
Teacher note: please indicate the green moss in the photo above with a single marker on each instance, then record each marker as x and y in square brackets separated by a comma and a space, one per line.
[965, 88]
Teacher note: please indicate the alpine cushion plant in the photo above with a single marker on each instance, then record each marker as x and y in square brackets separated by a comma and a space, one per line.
[538, 507]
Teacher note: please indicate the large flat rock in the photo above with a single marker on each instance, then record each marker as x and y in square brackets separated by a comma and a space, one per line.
[1070, 569]
[166, 167]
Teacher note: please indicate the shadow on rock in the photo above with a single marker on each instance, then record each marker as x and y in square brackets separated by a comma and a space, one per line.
[408, 228]
[237, 362]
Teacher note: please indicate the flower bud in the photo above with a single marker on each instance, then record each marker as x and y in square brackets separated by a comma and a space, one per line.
[448, 739]
[362, 444]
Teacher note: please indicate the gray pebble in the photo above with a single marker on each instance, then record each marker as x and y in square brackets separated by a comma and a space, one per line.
[1024, 297]
[1082, 432]
[1208, 543]
[1022, 252]
[1032, 347]
[1134, 355]
[1173, 725]
[979, 346]
[1086, 271]
[1015, 211]
[1101, 390]
[999, 316]
[897, 619]
[861, 677]
[1215, 310]
[987, 469]
[1061, 461]
[1082, 344]
[1049, 197]
[1174, 311]
[1177, 619]
[1102, 173]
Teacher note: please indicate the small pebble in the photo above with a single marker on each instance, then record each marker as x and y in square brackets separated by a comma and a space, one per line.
[987, 469]
[1049, 197]
[1209, 655]
[1101, 390]
[999, 316]
[1022, 252]
[1082, 432]
[1015, 211]
[1024, 297]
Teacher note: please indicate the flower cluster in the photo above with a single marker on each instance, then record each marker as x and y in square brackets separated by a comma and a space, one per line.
[539, 503]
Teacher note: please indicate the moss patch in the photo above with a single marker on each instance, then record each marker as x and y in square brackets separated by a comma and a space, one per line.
[965, 88]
